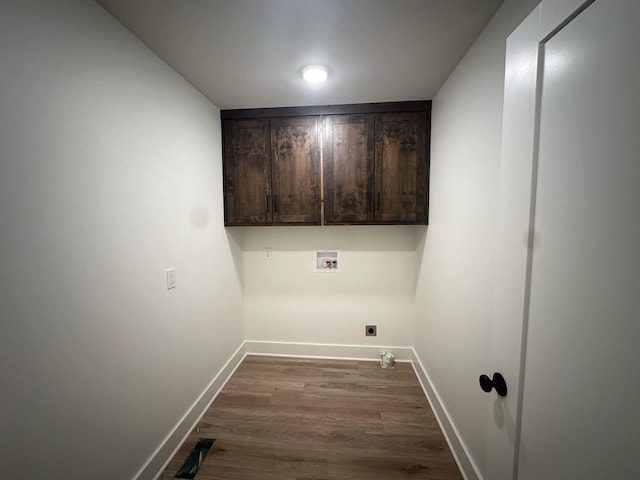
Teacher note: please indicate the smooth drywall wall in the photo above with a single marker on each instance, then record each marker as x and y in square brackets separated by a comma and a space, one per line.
[110, 173]
[287, 301]
[454, 292]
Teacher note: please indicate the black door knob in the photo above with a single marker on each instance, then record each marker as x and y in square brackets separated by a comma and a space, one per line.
[497, 382]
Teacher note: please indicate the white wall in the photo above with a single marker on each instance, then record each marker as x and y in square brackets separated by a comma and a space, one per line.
[285, 300]
[110, 173]
[454, 293]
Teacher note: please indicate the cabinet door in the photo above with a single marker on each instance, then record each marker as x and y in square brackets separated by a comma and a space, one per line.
[295, 154]
[401, 167]
[348, 168]
[247, 172]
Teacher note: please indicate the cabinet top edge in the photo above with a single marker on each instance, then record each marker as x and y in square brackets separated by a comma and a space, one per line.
[344, 109]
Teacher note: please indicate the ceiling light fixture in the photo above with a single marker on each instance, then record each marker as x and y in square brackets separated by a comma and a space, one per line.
[315, 73]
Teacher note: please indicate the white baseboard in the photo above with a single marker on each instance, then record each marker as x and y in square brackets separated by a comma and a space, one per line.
[325, 350]
[167, 449]
[170, 445]
[466, 465]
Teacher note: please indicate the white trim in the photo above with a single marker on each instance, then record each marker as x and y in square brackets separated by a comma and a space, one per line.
[520, 139]
[326, 350]
[555, 13]
[158, 461]
[467, 466]
[161, 457]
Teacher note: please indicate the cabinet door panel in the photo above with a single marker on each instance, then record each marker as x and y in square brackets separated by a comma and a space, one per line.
[247, 172]
[401, 167]
[296, 170]
[348, 168]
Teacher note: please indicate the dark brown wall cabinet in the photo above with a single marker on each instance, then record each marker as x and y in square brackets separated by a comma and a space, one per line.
[401, 168]
[375, 164]
[272, 171]
[376, 168]
[348, 168]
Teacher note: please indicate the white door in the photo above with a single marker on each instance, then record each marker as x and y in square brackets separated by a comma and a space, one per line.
[581, 394]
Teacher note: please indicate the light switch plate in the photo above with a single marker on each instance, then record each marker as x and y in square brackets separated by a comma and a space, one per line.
[267, 253]
[171, 278]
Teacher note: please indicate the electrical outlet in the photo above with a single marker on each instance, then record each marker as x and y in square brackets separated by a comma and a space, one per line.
[171, 278]
[371, 330]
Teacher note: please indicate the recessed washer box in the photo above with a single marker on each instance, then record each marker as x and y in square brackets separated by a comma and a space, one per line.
[327, 260]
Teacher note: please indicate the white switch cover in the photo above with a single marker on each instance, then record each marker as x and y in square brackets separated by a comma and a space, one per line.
[171, 278]
[267, 253]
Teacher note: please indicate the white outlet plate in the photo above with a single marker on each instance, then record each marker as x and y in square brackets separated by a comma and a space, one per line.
[171, 278]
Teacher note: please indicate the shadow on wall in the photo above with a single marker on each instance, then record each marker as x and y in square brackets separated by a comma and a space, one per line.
[362, 238]
[421, 245]
[504, 419]
[235, 246]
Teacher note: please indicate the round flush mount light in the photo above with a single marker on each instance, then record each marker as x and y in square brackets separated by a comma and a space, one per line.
[315, 73]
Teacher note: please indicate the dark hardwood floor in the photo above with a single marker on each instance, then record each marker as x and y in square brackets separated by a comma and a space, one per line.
[293, 419]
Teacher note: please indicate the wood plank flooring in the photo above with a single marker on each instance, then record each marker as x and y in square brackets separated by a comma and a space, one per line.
[293, 419]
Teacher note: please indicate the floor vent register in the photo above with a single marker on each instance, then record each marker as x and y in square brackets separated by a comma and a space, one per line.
[194, 460]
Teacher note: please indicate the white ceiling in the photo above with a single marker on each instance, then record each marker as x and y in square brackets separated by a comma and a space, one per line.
[249, 53]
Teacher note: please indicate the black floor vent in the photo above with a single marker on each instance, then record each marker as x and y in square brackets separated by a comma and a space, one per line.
[193, 462]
